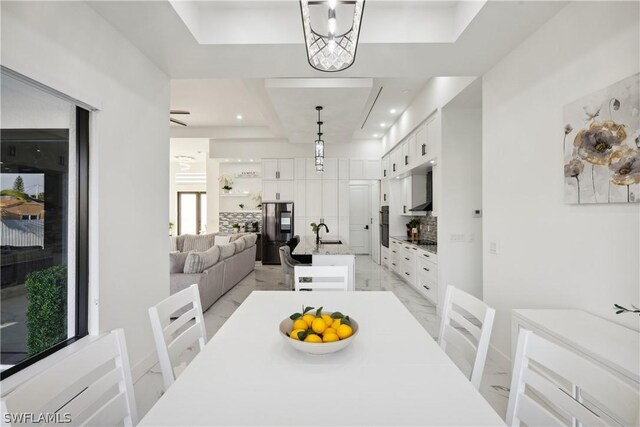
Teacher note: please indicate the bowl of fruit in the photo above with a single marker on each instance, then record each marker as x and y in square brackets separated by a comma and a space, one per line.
[315, 331]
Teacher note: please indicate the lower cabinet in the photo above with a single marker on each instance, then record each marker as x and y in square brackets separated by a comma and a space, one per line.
[416, 266]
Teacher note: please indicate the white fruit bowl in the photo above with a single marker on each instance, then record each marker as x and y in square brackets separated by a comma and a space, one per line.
[317, 348]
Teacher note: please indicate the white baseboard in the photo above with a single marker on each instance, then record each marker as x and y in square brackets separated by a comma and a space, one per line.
[144, 365]
[503, 361]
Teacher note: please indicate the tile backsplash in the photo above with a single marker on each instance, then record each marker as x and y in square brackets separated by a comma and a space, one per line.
[229, 218]
[429, 227]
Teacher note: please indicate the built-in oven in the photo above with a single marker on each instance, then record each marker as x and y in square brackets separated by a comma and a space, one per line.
[384, 226]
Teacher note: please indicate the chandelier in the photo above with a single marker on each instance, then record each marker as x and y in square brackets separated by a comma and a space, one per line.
[331, 52]
[319, 145]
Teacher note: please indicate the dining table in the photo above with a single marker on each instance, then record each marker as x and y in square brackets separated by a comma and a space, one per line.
[392, 373]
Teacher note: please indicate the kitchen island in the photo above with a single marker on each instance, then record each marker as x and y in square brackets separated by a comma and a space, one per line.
[330, 252]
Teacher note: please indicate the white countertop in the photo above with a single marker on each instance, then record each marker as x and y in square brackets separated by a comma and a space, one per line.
[393, 373]
[307, 246]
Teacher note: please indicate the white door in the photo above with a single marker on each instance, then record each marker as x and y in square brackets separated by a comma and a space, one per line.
[374, 221]
[359, 219]
[285, 167]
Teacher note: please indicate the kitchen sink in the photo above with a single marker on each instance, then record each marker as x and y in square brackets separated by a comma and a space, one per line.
[331, 242]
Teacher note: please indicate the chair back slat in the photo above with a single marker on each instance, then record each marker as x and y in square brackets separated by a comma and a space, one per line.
[110, 414]
[575, 388]
[533, 414]
[79, 383]
[168, 346]
[316, 278]
[474, 353]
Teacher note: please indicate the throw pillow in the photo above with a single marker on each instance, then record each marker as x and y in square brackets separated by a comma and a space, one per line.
[177, 261]
[197, 262]
[240, 243]
[250, 239]
[221, 240]
[199, 243]
[227, 250]
[236, 236]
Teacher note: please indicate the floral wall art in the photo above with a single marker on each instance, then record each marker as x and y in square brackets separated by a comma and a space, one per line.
[602, 145]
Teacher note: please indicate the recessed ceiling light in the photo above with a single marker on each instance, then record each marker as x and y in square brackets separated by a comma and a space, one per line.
[392, 111]
[239, 117]
[375, 135]
[226, 160]
[251, 160]
[239, 160]
[383, 124]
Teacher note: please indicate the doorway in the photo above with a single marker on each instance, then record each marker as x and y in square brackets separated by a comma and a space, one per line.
[192, 212]
[359, 209]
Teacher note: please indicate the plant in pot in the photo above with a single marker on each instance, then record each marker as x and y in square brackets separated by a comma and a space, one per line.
[241, 205]
[236, 227]
[227, 182]
[258, 199]
[413, 224]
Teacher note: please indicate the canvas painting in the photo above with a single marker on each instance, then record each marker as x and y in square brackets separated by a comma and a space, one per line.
[602, 145]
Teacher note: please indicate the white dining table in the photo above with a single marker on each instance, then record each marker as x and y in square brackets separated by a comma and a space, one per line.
[393, 373]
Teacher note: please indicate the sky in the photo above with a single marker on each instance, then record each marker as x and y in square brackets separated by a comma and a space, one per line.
[30, 181]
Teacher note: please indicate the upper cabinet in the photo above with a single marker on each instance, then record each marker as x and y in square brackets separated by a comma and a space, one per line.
[300, 168]
[372, 169]
[330, 169]
[384, 172]
[275, 169]
[364, 169]
[343, 168]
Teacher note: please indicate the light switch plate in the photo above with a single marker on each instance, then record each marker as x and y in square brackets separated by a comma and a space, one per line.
[493, 247]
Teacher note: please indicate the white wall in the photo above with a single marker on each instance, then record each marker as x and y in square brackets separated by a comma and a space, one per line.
[460, 163]
[68, 47]
[551, 254]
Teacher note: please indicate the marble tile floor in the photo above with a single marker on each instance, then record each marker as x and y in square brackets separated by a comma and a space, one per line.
[369, 277]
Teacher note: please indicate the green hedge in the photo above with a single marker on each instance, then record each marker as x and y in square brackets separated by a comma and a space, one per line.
[46, 308]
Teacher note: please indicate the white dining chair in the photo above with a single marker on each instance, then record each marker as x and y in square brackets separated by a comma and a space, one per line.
[470, 341]
[321, 278]
[553, 386]
[174, 337]
[92, 387]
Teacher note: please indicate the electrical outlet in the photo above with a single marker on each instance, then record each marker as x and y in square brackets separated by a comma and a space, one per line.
[493, 247]
[455, 237]
[476, 213]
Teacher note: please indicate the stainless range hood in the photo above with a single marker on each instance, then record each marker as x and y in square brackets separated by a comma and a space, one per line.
[428, 205]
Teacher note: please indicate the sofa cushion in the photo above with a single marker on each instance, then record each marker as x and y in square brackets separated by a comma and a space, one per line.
[240, 244]
[221, 240]
[199, 243]
[227, 250]
[250, 239]
[177, 261]
[236, 236]
[197, 262]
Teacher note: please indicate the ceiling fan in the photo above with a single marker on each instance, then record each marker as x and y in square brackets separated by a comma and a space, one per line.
[179, 122]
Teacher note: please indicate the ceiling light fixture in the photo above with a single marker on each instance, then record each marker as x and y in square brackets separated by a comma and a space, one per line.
[375, 135]
[319, 145]
[383, 124]
[331, 51]
[392, 111]
[239, 117]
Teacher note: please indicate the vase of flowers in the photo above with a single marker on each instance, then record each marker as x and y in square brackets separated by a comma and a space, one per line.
[227, 182]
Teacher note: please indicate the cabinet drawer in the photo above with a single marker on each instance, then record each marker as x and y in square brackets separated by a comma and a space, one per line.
[430, 256]
[429, 290]
[427, 270]
[409, 270]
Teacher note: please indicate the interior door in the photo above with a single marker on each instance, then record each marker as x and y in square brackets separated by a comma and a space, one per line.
[359, 219]
[374, 221]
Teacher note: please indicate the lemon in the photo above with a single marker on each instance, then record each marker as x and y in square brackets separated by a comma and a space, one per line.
[330, 337]
[300, 324]
[328, 320]
[294, 333]
[329, 331]
[344, 331]
[313, 338]
[309, 319]
[336, 324]
[318, 325]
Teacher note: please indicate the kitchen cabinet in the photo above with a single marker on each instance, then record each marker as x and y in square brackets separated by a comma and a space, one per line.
[330, 169]
[356, 169]
[300, 225]
[384, 193]
[277, 169]
[300, 169]
[408, 263]
[414, 192]
[329, 198]
[361, 169]
[404, 158]
[412, 158]
[395, 159]
[372, 169]
[343, 199]
[300, 197]
[435, 201]
[277, 191]
[313, 193]
[384, 172]
[416, 266]
[343, 168]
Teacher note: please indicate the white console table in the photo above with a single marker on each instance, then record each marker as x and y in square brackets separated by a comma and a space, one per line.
[612, 346]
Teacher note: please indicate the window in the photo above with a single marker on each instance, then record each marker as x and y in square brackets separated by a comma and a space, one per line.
[44, 205]
[192, 212]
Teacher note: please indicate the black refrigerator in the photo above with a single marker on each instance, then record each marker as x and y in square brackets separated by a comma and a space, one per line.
[277, 230]
[384, 226]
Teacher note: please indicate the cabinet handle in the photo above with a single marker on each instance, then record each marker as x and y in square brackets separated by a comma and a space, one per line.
[394, 167]
[277, 175]
[426, 287]
[384, 197]
[406, 247]
[426, 255]
[406, 160]
[404, 209]
[415, 249]
[393, 252]
[407, 259]
[384, 172]
[277, 196]
[407, 273]
[393, 263]
[425, 268]
[424, 149]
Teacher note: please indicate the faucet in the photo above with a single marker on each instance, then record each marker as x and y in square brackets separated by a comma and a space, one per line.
[322, 224]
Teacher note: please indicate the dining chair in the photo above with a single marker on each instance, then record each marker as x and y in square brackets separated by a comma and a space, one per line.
[321, 278]
[553, 386]
[174, 337]
[469, 340]
[92, 386]
[287, 263]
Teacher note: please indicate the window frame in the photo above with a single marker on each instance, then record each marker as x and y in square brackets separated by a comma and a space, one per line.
[198, 195]
[82, 242]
